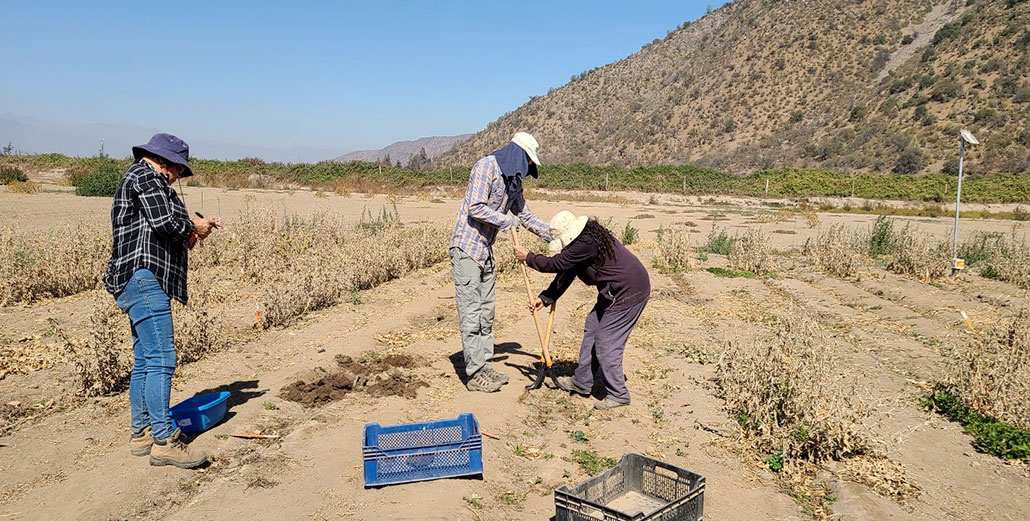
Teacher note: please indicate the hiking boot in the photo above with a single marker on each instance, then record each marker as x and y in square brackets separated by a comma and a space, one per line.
[566, 384]
[607, 403]
[494, 375]
[140, 445]
[482, 382]
[174, 451]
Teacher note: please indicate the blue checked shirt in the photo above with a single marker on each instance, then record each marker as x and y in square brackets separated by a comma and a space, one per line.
[484, 212]
[150, 227]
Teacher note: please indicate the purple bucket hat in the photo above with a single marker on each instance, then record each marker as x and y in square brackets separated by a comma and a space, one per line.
[168, 147]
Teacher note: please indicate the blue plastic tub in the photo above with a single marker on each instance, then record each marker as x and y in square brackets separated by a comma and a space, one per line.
[199, 413]
[422, 451]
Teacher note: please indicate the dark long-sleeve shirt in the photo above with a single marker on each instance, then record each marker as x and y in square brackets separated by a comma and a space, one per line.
[150, 227]
[622, 281]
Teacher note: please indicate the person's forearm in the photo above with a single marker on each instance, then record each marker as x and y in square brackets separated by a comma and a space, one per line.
[482, 212]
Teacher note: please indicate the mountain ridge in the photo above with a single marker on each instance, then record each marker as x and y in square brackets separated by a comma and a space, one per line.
[846, 85]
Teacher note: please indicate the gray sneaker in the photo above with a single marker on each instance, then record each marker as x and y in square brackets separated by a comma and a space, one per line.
[566, 384]
[607, 403]
[494, 375]
[482, 382]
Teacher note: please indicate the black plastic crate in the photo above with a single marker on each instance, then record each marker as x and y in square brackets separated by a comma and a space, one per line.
[638, 488]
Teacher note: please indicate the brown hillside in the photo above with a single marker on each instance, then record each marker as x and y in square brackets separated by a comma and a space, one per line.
[852, 85]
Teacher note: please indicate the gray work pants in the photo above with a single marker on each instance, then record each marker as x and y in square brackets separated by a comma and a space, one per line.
[475, 297]
[604, 341]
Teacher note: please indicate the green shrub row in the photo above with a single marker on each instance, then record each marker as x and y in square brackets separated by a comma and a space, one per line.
[995, 188]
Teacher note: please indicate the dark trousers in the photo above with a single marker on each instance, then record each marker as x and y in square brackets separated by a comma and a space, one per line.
[604, 341]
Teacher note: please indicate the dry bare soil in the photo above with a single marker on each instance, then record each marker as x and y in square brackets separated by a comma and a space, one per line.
[63, 456]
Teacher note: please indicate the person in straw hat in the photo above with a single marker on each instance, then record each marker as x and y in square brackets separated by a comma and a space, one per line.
[152, 233]
[494, 190]
[583, 248]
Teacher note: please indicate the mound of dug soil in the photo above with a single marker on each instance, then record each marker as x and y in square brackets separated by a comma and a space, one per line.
[382, 377]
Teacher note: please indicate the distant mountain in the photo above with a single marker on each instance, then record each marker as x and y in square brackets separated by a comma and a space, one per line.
[403, 150]
[35, 136]
[852, 85]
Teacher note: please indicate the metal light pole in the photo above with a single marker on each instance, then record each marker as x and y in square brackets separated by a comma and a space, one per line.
[965, 136]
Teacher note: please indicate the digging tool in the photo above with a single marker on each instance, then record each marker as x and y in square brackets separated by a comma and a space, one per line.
[545, 359]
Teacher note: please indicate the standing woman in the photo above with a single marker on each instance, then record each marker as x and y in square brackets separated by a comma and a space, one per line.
[590, 252]
[147, 269]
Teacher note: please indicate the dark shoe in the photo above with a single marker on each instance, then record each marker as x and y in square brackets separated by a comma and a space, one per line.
[607, 403]
[140, 445]
[482, 382]
[566, 384]
[175, 452]
[494, 375]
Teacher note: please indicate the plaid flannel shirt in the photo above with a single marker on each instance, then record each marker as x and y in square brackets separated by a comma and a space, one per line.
[150, 227]
[484, 212]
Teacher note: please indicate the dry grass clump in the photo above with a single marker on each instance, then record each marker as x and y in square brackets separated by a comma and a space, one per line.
[836, 251]
[103, 359]
[198, 328]
[918, 256]
[999, 256]
[787, 395]
[810, 214]
[673, 251]
[750, 252]
[796, 410]
[993, 377]
[319, 266]
[504, 259]
[61, 263]
[23, 187]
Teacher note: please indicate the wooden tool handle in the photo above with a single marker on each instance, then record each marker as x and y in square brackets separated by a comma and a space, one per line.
[529, 297]
[547, 335]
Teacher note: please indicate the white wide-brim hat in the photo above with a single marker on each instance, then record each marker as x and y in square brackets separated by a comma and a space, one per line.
[565, 227]
[528, 143]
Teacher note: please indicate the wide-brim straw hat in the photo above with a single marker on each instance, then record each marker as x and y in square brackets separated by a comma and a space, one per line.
[565, 227]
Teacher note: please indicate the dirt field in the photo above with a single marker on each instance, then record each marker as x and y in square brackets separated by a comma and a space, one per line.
[66, 457]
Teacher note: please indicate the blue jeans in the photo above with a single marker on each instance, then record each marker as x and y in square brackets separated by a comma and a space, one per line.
[153, 348]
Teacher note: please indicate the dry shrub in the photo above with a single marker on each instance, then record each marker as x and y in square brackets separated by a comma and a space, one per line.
[505, 261]
[796, 410]
[331, 262]
[809, 213]
[787, 394]
[917, 256]
[781, 215]
[673, 252]
[993, 377]
[23, 187]
[751, 252]
[837, 251]
[103, 359]
[999, 256]
[1012, 264]
[63, 262]
[75, 174]
[198, 329]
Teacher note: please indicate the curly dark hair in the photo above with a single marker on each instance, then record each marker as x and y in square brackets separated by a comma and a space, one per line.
[603, 238]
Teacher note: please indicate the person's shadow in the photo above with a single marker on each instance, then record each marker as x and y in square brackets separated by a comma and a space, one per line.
[502, 352]
[505, 352]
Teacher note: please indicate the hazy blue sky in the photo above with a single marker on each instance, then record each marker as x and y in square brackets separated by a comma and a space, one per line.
[330, 76]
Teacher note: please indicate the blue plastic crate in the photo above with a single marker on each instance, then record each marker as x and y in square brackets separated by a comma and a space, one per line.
[422, 451]
[199, 413]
